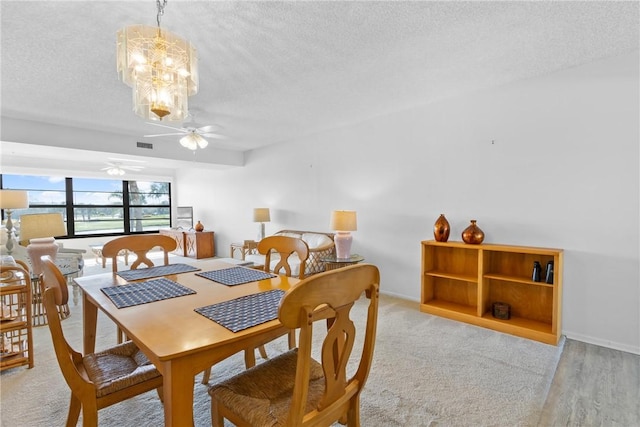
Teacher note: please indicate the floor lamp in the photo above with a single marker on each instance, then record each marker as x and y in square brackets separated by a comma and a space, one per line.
[10, 200]
[261, 215]
[39, 230]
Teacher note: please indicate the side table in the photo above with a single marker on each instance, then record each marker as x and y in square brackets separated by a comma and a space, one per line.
[97, 251]
[332, 263]
[245, 248]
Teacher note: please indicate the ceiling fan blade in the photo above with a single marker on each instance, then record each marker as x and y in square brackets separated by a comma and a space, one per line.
[209, 128]
[113, 159]
[165, 126]
[214, 135]
[163, 134]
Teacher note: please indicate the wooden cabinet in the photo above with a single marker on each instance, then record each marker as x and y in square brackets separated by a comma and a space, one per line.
[195, 244]
[461, 282]
[16, 340]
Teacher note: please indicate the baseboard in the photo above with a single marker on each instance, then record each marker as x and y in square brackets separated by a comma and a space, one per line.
[401, 296]
[571, 335]
[602, 343]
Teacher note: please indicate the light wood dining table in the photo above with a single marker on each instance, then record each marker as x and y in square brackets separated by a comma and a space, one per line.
[176, 339]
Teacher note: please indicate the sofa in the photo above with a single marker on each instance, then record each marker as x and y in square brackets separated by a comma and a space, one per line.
[320, 244]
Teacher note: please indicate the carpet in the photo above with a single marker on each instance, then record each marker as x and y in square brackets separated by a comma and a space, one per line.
[427, 371]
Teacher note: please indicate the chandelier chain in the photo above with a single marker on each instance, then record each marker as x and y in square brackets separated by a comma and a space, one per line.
[161, 5]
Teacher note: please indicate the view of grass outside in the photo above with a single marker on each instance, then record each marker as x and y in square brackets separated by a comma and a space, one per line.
[98, 205]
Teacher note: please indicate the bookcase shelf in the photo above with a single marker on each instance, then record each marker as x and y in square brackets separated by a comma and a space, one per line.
[461, 282]
[16, 342]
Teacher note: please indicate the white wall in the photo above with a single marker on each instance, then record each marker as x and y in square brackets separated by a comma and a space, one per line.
[552, 162]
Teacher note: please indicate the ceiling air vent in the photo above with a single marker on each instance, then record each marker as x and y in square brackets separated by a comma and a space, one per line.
[145, 145]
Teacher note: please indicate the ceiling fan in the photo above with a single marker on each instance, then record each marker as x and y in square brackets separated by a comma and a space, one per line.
[118, 169]
[193, 136]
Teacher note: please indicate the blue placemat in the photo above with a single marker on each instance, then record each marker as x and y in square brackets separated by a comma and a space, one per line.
[235, 275]
[244, 312]
[144, 292]
[161, 270]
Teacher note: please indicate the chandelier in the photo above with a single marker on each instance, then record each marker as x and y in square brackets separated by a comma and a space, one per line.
[161, 67]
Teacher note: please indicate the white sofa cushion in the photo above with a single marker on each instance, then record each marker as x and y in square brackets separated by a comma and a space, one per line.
[316, 240]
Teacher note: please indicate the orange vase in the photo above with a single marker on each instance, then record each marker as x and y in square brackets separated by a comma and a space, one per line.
[472, 234]
[441, 229]
[199, 226]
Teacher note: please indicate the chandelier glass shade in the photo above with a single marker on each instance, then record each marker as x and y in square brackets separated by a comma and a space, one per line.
[192, 141]
[162, 69]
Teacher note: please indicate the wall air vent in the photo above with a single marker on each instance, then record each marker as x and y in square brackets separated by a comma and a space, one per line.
[146, 145]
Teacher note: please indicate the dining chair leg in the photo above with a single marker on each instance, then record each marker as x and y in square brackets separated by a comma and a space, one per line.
[292, 339]
[206, 375]
[263, 352]
[216, 417]
[74, 411]
[353, 413]
[90, 414]
[250, 358]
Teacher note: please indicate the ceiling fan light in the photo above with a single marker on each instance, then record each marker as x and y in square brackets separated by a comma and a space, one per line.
[189, 142]
[115, 170]
[192, 141]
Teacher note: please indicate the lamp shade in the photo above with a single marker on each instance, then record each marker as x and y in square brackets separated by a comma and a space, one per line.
[343, 221]
[261, 215]
[34, 226]
[14, 199]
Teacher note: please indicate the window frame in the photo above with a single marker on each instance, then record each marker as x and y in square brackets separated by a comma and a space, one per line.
[69, 208]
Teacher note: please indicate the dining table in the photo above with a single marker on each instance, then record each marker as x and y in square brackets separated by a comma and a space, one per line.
[176, 338]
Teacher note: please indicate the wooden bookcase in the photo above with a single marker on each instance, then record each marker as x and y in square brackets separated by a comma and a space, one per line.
[16, 338]
[461, 282]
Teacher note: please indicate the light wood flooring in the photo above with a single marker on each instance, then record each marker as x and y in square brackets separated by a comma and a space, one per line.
[594, 386]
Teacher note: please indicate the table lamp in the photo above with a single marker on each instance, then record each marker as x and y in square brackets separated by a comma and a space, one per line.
[343, 222]
[261, 215]
[9, 200]
[40, 230]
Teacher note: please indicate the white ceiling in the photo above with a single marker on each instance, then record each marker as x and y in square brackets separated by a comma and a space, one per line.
[276, 71]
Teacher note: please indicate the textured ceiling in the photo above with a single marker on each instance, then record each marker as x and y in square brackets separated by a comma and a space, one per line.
[275, 71]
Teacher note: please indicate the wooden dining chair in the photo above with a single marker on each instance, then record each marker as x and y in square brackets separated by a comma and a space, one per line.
[285, 247]
[293, 389]
[140, 245]
[96, 380]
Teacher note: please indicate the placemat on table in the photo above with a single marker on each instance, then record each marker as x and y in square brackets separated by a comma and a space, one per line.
[235, 275]
[244, 312]
[144, 292]
[160, 270]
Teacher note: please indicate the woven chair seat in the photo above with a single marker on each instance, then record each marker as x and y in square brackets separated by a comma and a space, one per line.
[117, 368]
[262, 395]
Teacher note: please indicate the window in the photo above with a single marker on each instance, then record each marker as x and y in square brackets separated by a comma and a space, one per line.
[96, 206]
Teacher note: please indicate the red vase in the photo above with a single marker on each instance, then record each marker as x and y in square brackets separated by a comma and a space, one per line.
[441, 229]
[472, 234]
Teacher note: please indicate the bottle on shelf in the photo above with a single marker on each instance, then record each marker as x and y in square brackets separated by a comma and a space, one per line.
[537, 270]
